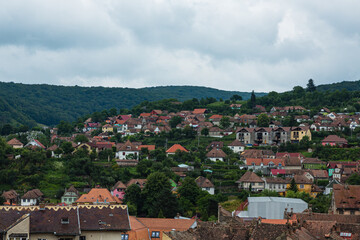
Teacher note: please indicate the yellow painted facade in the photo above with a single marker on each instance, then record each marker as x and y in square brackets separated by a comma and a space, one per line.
[108, 128]
[297, 134]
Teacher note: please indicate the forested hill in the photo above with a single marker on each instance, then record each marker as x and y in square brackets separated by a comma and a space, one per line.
[48, 104]
[348, 85]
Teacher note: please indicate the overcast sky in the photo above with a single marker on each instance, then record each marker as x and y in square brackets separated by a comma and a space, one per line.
[229, 44]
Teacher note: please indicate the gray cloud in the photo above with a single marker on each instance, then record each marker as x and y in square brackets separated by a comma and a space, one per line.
[230, 44]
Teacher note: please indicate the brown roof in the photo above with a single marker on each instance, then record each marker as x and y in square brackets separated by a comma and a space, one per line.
[12, 194]
[100, 195]
[203, 182]
[347, 196]
[312, 161]
[216, 144]
[167, 224]
[140, 182]
[301, 179]
[334, 139]
[236, 143]
[105, 219]
[249, 177]
[277, 180]
[15, 142]
[72, 189]
[128, 146]
[256, 153]
[317, 173]
[216, 153]
[119, 184]
[292, 161]
[32, 194]
[53, 147]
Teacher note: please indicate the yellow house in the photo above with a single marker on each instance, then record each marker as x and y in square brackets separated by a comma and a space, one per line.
[107, 128]
[303, 184]
[297, 133]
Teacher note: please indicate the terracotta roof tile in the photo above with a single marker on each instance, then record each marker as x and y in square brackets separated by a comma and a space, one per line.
[176, 147]
[99, 195]
[167, 224]
[15, 142]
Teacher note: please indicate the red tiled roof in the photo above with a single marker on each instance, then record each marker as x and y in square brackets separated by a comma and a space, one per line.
[199, 111]
[40, 144]
[334, 139]
[264, 161]
[145, 114]
[176, 147]
[167, 224]
[215, 116]
[100, 195]
[15, 142]
[119, 184]
[278, 171]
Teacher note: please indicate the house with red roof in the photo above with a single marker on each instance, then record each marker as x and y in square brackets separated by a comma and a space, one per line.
[201, 111]
[128, 150]
[174, 148]
[15, 143]
[35, 144]
[118, 190]
[98, 196]
[334, 140]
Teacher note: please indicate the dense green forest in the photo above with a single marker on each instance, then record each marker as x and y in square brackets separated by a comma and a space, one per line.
[348, 85]
[48, 104]
[22, 104]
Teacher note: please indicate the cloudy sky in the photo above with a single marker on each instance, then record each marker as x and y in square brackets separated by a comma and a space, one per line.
[230, 44]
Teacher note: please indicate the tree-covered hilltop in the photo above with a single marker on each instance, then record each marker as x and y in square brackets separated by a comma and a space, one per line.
[48, 104]
[348, 85]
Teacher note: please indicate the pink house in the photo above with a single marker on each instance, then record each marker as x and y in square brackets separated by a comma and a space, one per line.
[118, 190]
[334, 140]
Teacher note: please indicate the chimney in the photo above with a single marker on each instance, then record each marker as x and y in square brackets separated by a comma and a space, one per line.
[178, 215]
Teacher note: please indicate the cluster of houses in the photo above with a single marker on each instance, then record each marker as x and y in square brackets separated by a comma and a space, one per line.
[275, 172]
[83, 222]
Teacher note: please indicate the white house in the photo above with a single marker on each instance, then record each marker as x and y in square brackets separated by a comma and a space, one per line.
[236, 146]
[205, 184]
[31, 198]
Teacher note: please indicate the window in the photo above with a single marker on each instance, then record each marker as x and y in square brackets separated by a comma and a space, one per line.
[82, 238]
[65, 220]
[301, 186]
[155, 234]
[352, 212]
[124, 236]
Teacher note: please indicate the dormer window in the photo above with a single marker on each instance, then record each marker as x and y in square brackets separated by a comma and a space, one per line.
[65, 220]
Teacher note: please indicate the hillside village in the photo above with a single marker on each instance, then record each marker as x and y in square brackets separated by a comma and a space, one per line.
[213, 167]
